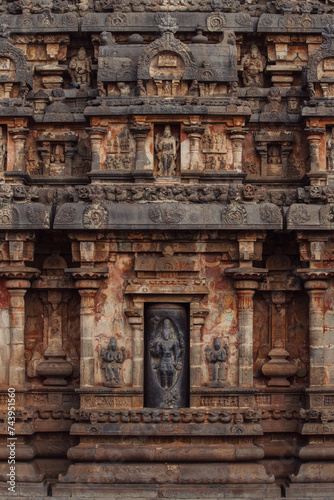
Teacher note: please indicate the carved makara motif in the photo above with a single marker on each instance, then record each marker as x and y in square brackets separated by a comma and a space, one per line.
[95, 217]
[234, 214]
[112, 358]
[166, 214]
[166, 381]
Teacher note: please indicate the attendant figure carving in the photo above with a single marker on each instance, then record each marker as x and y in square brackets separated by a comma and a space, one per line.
[113, 357]
[217, 358]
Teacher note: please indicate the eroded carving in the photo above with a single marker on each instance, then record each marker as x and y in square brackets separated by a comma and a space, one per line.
[113, 358]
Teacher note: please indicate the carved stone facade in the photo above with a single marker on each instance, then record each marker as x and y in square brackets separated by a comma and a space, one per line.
[167, 248]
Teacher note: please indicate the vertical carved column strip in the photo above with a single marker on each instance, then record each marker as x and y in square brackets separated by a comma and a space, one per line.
[96, 136]
[17, 289]
[316, 291]
[245, 292]
[140, 133]
[87, 291]
[19, 139]
[136, 320]
[197, 319]
[237, 137]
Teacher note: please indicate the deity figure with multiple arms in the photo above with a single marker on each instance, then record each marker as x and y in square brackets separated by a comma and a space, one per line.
[167, 351]
[166, 146]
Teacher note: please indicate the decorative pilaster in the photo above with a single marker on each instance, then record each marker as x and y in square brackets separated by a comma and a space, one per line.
[87, 283]
[136, 319]
[140, 133]
[19, 138]
[316, 174]
[316, 286]
[17, 290]
[195, 134]
[246, 283]
[96, 136]
[197, 318]
[237, 136]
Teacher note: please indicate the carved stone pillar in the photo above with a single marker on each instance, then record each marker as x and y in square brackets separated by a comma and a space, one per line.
[195, 135]
[316, 286]
[245, 292]
[237, 136]
[314, 137]
[316, 291]
[197, 319]
[87, 290]
[88, 281]
[140, 134]
[17, 289]
[246, 282]
[96, 135]
[136, 320]
[19, 137]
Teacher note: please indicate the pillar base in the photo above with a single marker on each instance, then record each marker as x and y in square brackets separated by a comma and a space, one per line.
[167, 473]
[309, 490]
[152, 491]
[24, 491]
[315, 472]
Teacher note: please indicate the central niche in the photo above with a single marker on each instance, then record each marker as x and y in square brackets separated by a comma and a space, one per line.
[166, 356]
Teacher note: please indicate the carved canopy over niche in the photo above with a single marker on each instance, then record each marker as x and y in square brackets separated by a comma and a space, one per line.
[321, 62]
[167, 52]
[13, 66]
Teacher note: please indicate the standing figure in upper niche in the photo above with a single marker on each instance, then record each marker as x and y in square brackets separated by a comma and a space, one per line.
[166, 146]
[253, 64]
[80, 68]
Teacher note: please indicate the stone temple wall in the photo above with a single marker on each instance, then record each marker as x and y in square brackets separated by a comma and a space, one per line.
[167, 248]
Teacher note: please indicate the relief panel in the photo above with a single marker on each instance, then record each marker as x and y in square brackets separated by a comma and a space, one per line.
[166, 356]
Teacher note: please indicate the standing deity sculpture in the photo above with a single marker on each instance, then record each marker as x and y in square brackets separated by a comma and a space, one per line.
[80, 68]
[113, 357]
[217, 358]
[166, 146]
[166, 351]
[253, 64]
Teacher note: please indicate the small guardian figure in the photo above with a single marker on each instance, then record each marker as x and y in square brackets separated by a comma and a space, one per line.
[112, 358]
[80, 68]
[217, 358]
[253, 64]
